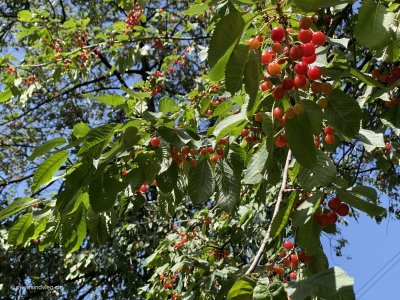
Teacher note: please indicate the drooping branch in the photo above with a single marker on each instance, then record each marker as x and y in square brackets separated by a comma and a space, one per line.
[267, 237]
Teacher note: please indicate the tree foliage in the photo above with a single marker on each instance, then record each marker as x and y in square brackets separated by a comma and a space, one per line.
[180, 150]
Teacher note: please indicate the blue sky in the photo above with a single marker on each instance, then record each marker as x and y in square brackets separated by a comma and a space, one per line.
[371, 247]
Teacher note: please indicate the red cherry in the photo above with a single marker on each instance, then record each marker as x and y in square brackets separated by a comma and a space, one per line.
[314, 73]
[204, 151]
[258, 117]
[322, 220]
[210, 150]
[281, 141]
[327, 88]
[300, 81]
[278, 93]
[310, 59]
[266, 58]
[296, 52]
[293, 275]
[223, 141]
[396, 71]
[277, 47]
[273, 69]
[244, 132]
[332, 217]
[264, 87]
[143, 188]
[328, 130]
[288, 245]
[305, 35]
[388, 146]
[308, 49]
[278, 113]
[301, 68]
[155, 142]
[329, 139]
[318, 38]
[294, 258]
[288, 83]
[124, 172]
[290, 114]
[282, 121]
[278, 34]
[343, 210]
[334, 204]
[220, 151]
[260, 38]
[305, 23]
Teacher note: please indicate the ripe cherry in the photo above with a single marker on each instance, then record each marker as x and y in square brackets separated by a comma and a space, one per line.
[296, 52]
[223, 141]
[278, 34]
[155, 142]
[288, 83]
[258, 117]
[329, 139]
[305, 23]
[244, 132]
[316, 87]
[274, 69]
[314, 73]
[327, 88]
[288, 245]
[318, 38]
[253, 43]
[334, 204]
[388, 146]
[278, 270]
[143, 188]
[281, 141]
[305, 35]
[300, 68]
[220, 151]
[277, 47]
[323, 103]
[300, 81]
[310, 59]
[124, 172]
[278, 93]
[282, 121]
[343, 210]
[322, 220]
[308, 49]
[328, 130]
[293, 275]
[266, 58]
[260, 38]
[290, 114]
[204, 151]
[294, 258]
[278, 113]
[332, 217]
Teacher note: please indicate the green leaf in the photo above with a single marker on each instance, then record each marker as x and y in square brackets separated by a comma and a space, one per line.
[356, 202]
[231, 125]
[314, 114]
[343, 113]
[306, 210]
[372, 29]
[80, 130]
[242, 289]
[254, 172]
[113, 100]
[314, 4]
[301, 140]
[46, 147]
[168, 105]
[332, 284]
[73, 230]
[266, 290]
[365, 191]
[97, 139]
[282, 217]
[228, 184]
[166, 204]
[235, 68]
[371, 139]
[201, 182]
[252, 78]
[47, 169]
[226, 35]
[322, 174]
[319, 262]
[99, 225]
[24, 16]
[16, 234]
[307, 236]
[16, 206]
[196, 9]
[5, 95]
[167, 180]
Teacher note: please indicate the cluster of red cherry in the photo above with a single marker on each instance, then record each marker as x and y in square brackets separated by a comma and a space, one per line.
[184, 238]
[133, 17]
[389, 76]
[168, 282]
[218, 253]
[337, 208]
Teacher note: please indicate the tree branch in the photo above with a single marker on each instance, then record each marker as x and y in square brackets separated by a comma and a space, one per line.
[267, 237]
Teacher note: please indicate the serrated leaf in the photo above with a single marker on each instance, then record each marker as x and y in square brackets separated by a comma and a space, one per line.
[322, 174]
[5, 95]
[301, 140]
[314, 4]
[196, 9]
[168, 105]
[17, 231]
[97, 139]
[99, 225]
[306, 210]
[113, 100]
[332, 284]
[228, 187]
[371, 139]
[235, 68]
[80, 130]
[254, 171]
[16, 206]
[252, 78]
[24, 15]
[231, 125]
[201, 182]
[356, 202]
[372, 28]
[226, 35]
[314, 114]
[266, 290]
[307, 236]
[282, 217]
[242, 289]
[44, 173]
[166, 204]
[46, 147]
[365, 191]
[343, 113]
